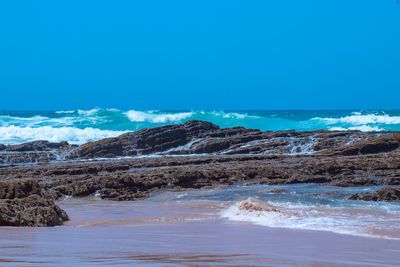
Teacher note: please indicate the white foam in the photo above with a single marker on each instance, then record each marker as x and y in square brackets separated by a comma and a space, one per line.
[361, 222]
[358, 119]
[8, 120]
[140, 116]
[16, 134]
[363, 128]
[186, 146]
[229, 115]
[88, 112]
[65, 111]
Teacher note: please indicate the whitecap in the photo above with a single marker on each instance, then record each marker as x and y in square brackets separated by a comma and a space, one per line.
[140, 116]
[88, 112]
[358, 119]
[363, 128]
[65, 111]
[15, 134]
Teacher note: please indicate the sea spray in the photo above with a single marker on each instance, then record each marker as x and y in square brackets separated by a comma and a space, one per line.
[80, 126]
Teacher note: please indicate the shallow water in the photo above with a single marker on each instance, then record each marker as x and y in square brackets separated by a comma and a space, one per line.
[192, 228]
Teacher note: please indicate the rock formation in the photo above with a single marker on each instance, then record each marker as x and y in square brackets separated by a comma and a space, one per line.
[384, 194]
[22, 204]
[214, 157]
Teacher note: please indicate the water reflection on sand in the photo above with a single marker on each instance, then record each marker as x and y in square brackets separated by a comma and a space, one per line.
[181, 228]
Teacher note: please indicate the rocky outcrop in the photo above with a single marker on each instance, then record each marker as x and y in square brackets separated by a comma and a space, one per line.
[200, 137]
[229, 156]
[27, 157]
[371, 145]
[384, 194]
[146, 141]
[22, 204]
[40, 145]
[2, 147]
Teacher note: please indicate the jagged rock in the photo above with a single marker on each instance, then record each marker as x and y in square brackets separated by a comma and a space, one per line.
[147, 140]
[40, 145]
[22, 204]
[30, 211]
[26, 157]
[336, 158]
[384, 194]
[371, 145]
[2, 147]
[19, 188]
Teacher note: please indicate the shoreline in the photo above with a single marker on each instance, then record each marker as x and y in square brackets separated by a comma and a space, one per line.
[192, 242]
[234, 155]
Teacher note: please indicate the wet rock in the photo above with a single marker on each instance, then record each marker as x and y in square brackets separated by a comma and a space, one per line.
[19, 188]
[384, 194]
[30, 211]
[256, 205]
[146, 141]
[27, 157]
[284, 157]
[22, 204]
[40, 145]
[371, 145]
[355, 182]
[2, 147]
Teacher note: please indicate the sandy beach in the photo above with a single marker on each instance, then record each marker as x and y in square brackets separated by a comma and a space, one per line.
[188, 233]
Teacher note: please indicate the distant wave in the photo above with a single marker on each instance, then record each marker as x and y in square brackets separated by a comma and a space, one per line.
[65, 111]
[15, 134]
[358, 119]
[140, 116]
[111, 121]
[363, 128]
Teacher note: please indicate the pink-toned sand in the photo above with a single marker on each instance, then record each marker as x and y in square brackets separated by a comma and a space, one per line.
[184, 233]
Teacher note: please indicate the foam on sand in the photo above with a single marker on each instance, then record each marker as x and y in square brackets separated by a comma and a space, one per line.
[344, 220]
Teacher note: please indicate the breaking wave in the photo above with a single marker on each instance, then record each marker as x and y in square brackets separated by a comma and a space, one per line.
[140, 116]
[16, 134]
[108, 122]
[359, 119]
[357, 220]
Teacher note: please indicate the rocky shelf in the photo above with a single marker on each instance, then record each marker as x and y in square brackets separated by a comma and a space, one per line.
[196, 154]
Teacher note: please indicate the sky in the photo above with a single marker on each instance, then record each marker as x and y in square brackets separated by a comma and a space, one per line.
[200, 54]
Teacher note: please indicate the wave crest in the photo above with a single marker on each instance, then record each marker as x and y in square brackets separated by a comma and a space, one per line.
[140, 116]
[352, 220]
[358, 119]
[16, 134]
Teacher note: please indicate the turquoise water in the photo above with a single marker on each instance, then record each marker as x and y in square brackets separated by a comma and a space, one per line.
[80, 126]
[304, 206]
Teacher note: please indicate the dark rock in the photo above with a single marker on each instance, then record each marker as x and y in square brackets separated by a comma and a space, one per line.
[30, 211]
[2, 147]
[283, 157]
[19, 188]
[384, 194]
[22, 204]
[371, 145]
[355, 182]
[147, 140]
[40, 145]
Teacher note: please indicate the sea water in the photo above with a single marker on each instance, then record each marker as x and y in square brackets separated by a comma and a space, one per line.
[286, 225]
[81, 126]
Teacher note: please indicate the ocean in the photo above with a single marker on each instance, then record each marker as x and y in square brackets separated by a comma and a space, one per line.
[240, 224]
[81, 126]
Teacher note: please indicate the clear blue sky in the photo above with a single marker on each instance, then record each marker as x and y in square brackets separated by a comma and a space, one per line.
[298, 54]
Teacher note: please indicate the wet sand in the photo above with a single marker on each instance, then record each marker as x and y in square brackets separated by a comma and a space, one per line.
[189, 233]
